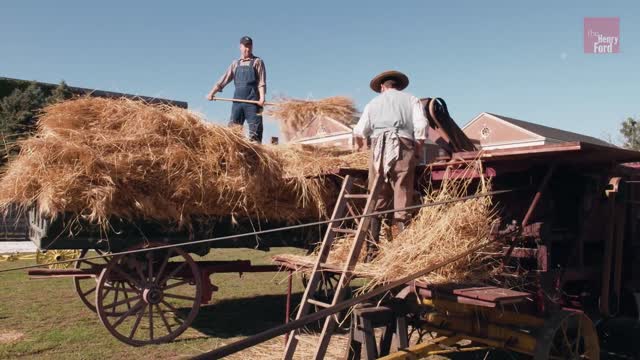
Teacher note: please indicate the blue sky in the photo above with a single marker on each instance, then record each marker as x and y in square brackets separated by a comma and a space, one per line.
[520, 59]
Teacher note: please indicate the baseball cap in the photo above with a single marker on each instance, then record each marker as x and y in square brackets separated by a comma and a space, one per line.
[245, 40]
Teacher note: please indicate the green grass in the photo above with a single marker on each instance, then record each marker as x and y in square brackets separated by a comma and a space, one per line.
[56, 325]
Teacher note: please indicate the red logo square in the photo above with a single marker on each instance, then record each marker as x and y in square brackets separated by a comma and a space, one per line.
[602, 35]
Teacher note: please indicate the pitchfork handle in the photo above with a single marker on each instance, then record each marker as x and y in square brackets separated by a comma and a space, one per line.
[242, 101]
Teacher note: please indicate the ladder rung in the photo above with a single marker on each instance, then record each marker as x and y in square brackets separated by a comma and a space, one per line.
[318, 303]
[344, 231]
[356, 196]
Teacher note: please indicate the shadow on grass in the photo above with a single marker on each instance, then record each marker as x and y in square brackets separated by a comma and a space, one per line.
[244, 316]
[230, 318]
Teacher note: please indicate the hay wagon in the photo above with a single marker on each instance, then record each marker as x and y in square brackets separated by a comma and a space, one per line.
[149, 297]
[569, 286]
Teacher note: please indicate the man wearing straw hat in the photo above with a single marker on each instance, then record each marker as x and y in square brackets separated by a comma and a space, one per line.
[397, 126]
[250, 79]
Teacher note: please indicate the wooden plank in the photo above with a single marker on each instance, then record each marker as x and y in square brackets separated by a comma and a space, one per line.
[490, 294]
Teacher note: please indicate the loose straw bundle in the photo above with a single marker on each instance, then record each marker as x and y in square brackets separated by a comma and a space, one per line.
[435, 234]
[440, 232]
[294, 114]
[97, 158]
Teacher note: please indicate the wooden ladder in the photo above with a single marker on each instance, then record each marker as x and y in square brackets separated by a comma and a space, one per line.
[344, 205]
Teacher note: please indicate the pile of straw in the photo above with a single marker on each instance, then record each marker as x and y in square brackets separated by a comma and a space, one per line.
[97, 158]
[441, 232]
[435, 234]
[295, 115]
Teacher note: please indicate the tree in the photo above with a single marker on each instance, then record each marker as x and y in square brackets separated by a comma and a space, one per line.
[60, 93]
[18, 111]
[630, 130]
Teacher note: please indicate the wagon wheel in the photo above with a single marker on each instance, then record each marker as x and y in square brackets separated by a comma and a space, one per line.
[52, 256]
[163, 300]
[325, 291]
[567, 335]
[86, 286]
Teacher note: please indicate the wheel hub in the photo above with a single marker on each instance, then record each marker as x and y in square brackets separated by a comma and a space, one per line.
[152, 296]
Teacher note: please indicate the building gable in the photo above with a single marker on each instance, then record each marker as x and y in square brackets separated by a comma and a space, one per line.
[492, 131]
[488, 131]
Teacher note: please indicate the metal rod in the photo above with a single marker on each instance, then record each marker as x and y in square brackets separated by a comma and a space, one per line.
[288, 306]
[232, 348]
[268, 231]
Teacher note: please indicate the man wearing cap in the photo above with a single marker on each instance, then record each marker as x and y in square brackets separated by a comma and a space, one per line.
[397, 126]
[250, 79]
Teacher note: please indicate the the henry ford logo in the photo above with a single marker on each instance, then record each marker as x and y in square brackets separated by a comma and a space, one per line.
[602, 35]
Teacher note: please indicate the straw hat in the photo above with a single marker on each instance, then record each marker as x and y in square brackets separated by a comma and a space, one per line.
[402, 81]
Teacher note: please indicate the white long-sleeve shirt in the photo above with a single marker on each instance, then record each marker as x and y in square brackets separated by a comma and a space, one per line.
[393, 110]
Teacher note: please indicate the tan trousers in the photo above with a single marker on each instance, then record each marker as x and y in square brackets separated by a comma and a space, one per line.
[398, 191]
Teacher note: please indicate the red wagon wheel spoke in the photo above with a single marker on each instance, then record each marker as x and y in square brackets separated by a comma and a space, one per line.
[129, 312]
[88, 292]
[150, 265]
[163, 266]
[164, 319]
[122, 302]
[116, 290]
[179, 283]
[121, 286]
[126, 295]
[136, 324]
[85, 286]
[173, 273]
[151, 321]
[91, 263]
[170, 306]
[126, 276]
[157, 315]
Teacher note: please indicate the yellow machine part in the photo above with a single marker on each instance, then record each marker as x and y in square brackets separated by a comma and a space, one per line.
[483, 327]
[53, 256]
[45, 257]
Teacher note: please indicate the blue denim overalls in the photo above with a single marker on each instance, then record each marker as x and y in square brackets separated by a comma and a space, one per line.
[246, 82]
